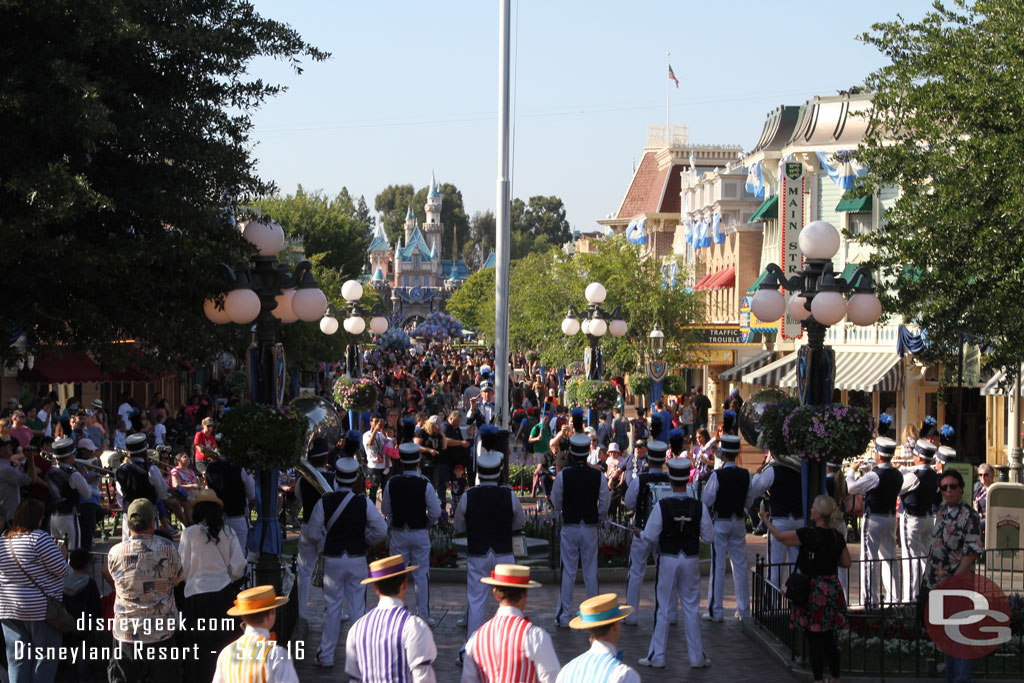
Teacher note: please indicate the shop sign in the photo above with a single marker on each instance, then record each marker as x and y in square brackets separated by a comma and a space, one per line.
[791, 217]
[709, 357]
[722, 335]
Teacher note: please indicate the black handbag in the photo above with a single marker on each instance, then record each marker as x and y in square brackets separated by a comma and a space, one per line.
[798, 585]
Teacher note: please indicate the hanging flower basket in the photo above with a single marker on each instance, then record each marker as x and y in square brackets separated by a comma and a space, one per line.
[595, 394]
[356, 395]
[827, 433]
[261, 438]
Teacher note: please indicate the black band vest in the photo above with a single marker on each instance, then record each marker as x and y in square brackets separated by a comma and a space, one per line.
[580, 493]
[65, 497]
[881, 500]
[408, 502]
[787, 499]
[489, 520]
[226, 481]
[919, 501]
[643, 501]
[680, 526]
[733, 485]
[134, 480]
[348, 534]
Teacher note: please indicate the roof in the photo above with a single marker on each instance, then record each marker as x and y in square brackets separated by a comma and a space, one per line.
[409, 215]
[416, 243]
[670, 202]
[491, 261]
[378, 274]
[778, 128]
[380, 240]
[832, 120]
[454, 271]
[435, 189]
[645, 191]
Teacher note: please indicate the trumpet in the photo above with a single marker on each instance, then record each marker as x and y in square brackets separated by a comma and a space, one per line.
[95, 468]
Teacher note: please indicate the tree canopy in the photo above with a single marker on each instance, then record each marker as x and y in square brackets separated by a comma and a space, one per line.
[126, 144]
[947, 125]
[394, 202]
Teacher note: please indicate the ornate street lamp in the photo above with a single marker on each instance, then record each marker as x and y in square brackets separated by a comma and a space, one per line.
[594, 325]
[269, 293]
[818, 301]
[656, 368]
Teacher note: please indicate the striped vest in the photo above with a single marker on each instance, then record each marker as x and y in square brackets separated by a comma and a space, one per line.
[499, 651]
[246, 660]
[589, 667]
[379, 650]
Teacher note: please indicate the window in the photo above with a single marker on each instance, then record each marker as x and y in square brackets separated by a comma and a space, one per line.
[859, 223]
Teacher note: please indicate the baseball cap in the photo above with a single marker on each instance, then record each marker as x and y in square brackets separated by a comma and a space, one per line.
[86, 444]
[142, 510]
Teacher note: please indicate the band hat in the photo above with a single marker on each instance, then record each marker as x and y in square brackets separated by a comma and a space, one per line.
[86, 444]
[97, 404]
[656, 450]
[885, 446]
[136, 444]
[579, 445]
[730, 444]
[600, 610]
[486, 386]
[488, 465]
[255, 600]
[510, 576]
[346, 470]
[386, 568]
[679, 469]
[944, 454]
[924, 449]
[409, 453]
[64, 447]
[206, 496]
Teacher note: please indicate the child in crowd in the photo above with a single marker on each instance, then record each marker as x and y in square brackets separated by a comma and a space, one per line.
[81, 599]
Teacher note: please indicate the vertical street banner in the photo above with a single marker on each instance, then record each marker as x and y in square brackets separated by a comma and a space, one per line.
[791, 221]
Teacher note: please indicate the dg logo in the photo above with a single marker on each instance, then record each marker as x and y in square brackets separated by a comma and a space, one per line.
[968, 616]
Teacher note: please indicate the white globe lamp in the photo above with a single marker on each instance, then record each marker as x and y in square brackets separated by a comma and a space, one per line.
[378, 324]
[328, 324]
[309, 304]
[352, 290]
[617, 328]
[242, 306]
[768, 305]
[828, 308]
[598, 327]
[595, 293]
[819, 240]
[797, 308]
[283, 311]
[585, 326]
[864, 309]
[570, 326]
[218, 316]
[266, 235]
[355, 325]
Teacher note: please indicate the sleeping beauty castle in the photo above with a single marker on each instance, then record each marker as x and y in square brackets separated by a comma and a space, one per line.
[411, 277]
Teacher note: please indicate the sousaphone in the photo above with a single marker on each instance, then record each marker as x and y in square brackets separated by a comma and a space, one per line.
[324, 420]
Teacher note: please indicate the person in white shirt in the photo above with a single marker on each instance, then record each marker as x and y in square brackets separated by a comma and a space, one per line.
[255, 652]
[124, 411]
[376, 461]
[211, 560]
[160, 430]
[601, 617]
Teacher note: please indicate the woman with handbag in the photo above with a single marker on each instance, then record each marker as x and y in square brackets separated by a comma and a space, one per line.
[822, 551]
[32, 570]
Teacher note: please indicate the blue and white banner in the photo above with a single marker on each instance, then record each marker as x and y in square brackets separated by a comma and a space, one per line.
[705, 233]
[636, 232]
[695, 233]
[717, 234]
[842, 168]
[755, 180]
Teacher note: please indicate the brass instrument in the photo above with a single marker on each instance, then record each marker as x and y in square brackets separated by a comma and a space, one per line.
[95, 468]
[209, 452]
[324, 420]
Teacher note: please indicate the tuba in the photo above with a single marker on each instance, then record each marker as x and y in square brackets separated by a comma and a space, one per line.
[324, 421]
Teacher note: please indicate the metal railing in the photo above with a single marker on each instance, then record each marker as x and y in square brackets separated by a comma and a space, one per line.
[886, 635]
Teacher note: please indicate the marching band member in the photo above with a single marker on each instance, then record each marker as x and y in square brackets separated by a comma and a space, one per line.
[410, 504]
[389, 643]
[236, 487]
[307, 555]
[880, 488]
[254, 657]
[786, 508]
[638, 498]
[509, 647]
[677, 525]
[139, 478]
[580, 494]
[488, 514]
[67, 488]
[601, 617]
[727, 495]
[343, 523]
[918, 497]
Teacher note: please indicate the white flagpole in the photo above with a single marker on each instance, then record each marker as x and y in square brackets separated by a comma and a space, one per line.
[502, 214]
[668, 100]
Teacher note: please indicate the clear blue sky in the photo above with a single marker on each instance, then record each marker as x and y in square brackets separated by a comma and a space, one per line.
[412, 86]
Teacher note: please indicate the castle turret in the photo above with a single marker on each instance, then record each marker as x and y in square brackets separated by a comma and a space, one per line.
[433, 228]
[380, 251]
[410, 223]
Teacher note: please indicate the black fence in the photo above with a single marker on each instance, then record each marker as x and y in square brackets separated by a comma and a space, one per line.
[886, 636]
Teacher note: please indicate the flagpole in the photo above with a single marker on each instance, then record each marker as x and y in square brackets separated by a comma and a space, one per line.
[668, 100]
[503, 218]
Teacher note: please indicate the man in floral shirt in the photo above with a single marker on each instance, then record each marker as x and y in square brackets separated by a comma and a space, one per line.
[956, 544]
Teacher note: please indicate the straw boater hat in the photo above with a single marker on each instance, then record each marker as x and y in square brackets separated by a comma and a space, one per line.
[64, 447]
[885, 447]
[206, 496]
[136, 444]
[386, 568]
[656, 450]
[679, 470]
[488, 465]
[409, 453]
[924, 449]
[346, 471]
[510, 576]
[255, 600]
[600, 610]
[97, 404]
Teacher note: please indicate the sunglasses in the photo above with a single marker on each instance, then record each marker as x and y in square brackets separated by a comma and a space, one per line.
[949, 487]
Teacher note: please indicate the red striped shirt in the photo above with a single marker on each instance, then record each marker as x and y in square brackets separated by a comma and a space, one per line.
[500, 653]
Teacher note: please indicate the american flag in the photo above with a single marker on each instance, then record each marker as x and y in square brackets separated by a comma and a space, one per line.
[672, 75]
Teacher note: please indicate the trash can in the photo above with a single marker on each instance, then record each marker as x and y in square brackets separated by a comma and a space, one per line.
[1002, 473]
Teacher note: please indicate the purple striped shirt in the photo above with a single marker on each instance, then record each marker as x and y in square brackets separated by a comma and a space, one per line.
[378, 639]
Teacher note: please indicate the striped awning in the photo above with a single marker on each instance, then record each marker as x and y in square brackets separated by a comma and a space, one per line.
[991, 387]
[861, 371]
[771, 374]
[734, 373]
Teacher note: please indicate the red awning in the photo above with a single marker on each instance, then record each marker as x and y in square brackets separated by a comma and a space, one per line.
[77, 366]
[725, 279]
[702, 283]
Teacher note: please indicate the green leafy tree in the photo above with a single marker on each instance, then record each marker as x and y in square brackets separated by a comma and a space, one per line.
[473, 303]
[947, 125]
[125, 146]
[393, 202]
[481, 239]
[541, 216]
[332, 227]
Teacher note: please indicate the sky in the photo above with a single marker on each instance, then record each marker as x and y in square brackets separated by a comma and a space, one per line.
[412, 87]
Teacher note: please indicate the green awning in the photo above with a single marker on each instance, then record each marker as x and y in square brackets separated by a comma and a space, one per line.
[757, 283]
[769, 210]
[854, 204]
[849, 270]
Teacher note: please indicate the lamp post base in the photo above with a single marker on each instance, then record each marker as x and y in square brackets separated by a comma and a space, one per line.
[1015, 465]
